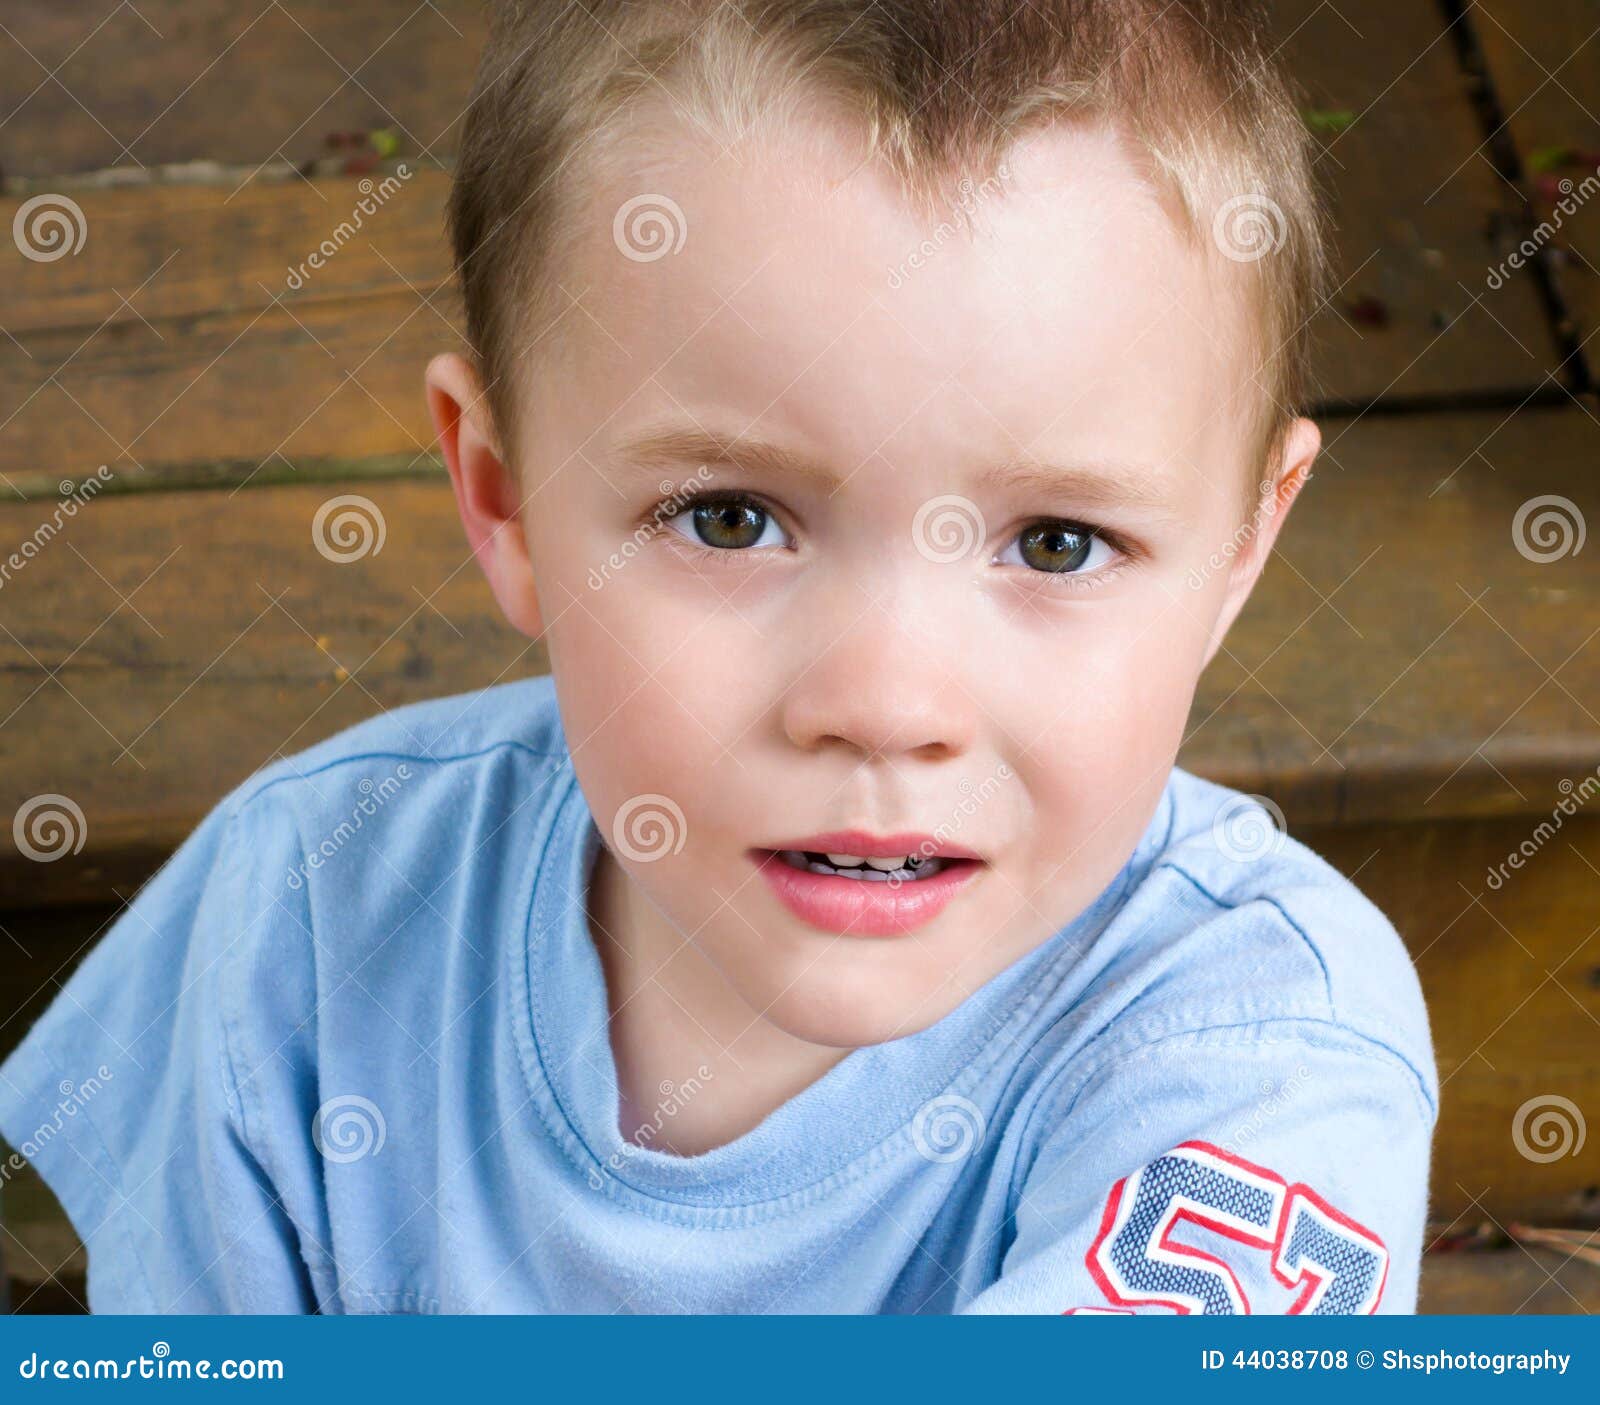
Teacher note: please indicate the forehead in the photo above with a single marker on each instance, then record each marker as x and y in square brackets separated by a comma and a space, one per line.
[1052, 308]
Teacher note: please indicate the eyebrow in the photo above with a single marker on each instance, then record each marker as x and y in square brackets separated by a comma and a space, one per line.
[1096, 485]
[675, 447]
[1093, 485]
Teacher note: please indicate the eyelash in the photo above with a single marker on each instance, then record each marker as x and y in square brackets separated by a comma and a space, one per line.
[687, 503]
[1126, 551]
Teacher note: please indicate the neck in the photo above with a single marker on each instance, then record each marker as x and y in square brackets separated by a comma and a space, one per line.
[697, 1067]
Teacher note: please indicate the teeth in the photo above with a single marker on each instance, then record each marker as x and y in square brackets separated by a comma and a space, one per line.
[909, 867]
[857, 861]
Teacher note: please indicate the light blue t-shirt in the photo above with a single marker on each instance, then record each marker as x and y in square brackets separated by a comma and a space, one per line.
[347, 1052]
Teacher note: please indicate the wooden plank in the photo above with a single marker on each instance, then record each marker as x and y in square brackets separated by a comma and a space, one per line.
[1415, 211]
[1533, 1282]
[174, 337]
[1511, 974]
[1544, 62]
[158, 251]
[1401, 657]
[164, 645]
[159, 345]
[171, 80]
[318, 380]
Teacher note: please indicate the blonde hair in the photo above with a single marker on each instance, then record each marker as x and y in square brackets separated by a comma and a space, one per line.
[939, 87]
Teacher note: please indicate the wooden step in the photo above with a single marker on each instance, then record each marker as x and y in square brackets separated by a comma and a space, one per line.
[1420, 220]
[171, 342]
[1544, 62]
[175, 80]
[175, 339]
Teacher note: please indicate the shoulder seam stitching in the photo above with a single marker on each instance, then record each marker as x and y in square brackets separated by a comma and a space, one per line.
[1305, 937]
[247, 797]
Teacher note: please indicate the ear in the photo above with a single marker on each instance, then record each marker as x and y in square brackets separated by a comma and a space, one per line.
[1290, 469]
[487, 495]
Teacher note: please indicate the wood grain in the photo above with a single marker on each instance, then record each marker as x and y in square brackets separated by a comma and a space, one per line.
[1417, 212]
[1544, 61]
[171, 342]
[172, 80]
[1511, 975]
[174, 339]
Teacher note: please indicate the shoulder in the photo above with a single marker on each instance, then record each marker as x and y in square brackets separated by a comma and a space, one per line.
[376, 830]
[447, 731]
[1236, 928]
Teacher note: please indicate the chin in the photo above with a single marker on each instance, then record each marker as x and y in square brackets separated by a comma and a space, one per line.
[851, 1014]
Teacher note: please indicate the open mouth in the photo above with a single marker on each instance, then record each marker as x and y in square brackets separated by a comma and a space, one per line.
[905, 868]
[864, 895]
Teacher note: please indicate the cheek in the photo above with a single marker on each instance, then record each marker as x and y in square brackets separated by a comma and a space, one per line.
[1103, 724]
[658, 689]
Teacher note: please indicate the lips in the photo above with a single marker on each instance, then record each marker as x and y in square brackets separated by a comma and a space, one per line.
[867, 905]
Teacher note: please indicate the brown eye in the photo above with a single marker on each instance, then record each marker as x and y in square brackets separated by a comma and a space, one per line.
[727, 524]
[1055, 546]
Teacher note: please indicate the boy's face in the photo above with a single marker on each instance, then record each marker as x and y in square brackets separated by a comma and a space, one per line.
[881, 643]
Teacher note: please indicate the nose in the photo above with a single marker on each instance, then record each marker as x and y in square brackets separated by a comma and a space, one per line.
[885, 681]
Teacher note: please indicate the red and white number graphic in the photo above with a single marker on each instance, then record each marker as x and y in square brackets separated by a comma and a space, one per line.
[1338, 1266]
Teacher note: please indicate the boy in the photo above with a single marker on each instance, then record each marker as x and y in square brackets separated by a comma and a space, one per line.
[882, 411]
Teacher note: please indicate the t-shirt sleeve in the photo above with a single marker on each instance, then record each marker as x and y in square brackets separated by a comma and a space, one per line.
[124, 1094]
[1280, 1167]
